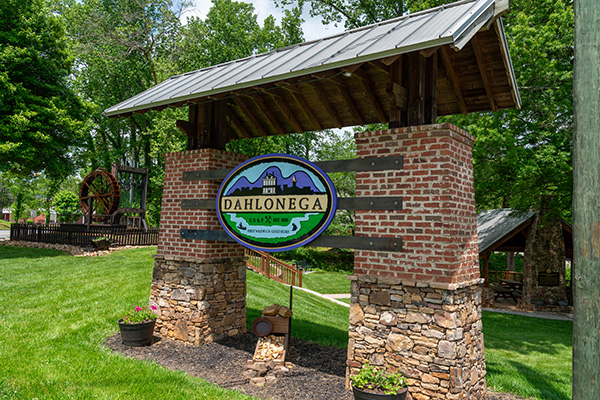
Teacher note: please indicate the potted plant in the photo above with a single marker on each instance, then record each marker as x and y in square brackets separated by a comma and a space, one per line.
[376, 383]
[137, 327]
[101, 243]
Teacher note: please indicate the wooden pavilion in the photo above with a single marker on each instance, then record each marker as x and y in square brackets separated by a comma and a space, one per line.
[406, 71]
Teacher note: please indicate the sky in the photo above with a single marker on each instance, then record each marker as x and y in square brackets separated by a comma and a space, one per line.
[312, 27]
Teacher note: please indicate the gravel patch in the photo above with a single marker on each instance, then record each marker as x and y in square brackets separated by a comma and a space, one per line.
[317, 372]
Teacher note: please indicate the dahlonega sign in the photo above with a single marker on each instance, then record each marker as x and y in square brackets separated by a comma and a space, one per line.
[276, 202]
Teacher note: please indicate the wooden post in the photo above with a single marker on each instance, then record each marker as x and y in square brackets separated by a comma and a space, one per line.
[486, 269]
[586, 202]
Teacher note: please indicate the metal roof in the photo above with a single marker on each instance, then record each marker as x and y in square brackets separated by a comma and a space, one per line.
[453, 24]
[493, 225]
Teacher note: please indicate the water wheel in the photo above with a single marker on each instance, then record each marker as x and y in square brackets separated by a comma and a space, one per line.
[102, 187]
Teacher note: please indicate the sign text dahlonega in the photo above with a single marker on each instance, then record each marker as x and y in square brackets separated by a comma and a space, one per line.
[276, 202]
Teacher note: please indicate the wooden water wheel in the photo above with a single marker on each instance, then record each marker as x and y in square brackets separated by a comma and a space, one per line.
[103, 189]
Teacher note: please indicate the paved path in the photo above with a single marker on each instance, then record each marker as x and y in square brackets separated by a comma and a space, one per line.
[535, 314]
[331, 297]
[4, 234]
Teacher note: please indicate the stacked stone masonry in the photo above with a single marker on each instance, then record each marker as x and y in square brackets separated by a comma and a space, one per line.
[199, 300]
[438, 221]
[428, 332]
[198, 285]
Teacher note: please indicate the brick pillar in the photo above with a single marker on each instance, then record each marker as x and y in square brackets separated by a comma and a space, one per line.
[199, 286]
[419, 310]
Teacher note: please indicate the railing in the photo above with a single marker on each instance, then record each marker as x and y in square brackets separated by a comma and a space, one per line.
[80, 235]
[272, 268]
[495, 276]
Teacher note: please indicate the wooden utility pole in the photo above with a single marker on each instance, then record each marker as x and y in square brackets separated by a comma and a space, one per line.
[586, 202]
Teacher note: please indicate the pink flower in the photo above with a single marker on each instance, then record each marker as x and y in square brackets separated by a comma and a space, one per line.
[153, 307]
[138, 308]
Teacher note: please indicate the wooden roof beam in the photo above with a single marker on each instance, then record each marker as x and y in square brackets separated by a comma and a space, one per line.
[350, 69]
[366, 85]
[483, 72]
[288, 114]
[448, 65]
[349, 102]
[260, 104]
[325, 104]
[245, 111]
[238, 125]
[301, 103]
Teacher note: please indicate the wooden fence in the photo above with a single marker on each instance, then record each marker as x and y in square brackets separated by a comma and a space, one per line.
[80, 235]
[272, 268]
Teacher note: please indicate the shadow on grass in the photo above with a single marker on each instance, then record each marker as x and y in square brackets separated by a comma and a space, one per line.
[525, 335]
[546, 386]
[11, 252]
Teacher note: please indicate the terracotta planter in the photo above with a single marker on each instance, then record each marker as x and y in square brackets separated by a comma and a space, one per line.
[137, 334]
[360, 394]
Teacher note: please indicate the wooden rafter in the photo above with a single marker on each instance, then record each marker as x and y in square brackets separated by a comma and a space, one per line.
[448, 65]
[245, 111]
[323, 100]
[349, 100]
[238, 125]
[288, 114]
[260, 104]
[483, 72]
[301, 102]
[367, 85]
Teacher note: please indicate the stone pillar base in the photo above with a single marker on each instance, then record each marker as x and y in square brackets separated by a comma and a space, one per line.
[431, 332]
[200, 300]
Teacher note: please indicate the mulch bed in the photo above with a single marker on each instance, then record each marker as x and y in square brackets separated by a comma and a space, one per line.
[318, 372]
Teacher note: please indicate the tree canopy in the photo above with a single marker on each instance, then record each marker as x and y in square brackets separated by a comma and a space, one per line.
[40, 116]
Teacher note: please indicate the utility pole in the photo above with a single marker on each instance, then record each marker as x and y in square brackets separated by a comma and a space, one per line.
[586, 202]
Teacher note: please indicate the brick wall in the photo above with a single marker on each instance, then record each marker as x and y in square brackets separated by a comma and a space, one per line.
[438, 221]
[173, 218]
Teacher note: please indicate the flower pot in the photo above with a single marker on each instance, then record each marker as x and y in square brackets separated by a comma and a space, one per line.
[360, 394]
[136, 335]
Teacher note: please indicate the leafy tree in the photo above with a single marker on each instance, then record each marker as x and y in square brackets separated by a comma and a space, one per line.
[66, 205]
[357, 13]
[39, 113]
[231, 31]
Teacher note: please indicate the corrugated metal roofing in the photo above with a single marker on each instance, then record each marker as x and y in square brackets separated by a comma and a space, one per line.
[493, 225]
[452, 24]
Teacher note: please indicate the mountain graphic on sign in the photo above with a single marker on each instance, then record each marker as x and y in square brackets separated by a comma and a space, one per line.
[297, 183]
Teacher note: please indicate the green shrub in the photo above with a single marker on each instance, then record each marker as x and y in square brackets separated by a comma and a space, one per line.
[324, 259]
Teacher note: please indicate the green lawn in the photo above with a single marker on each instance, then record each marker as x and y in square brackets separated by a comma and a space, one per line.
[58, 310]
[4, 225]
[528, 356]
[326, 282]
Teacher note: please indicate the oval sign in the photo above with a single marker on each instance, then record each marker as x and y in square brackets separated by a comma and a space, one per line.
[276, 202]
